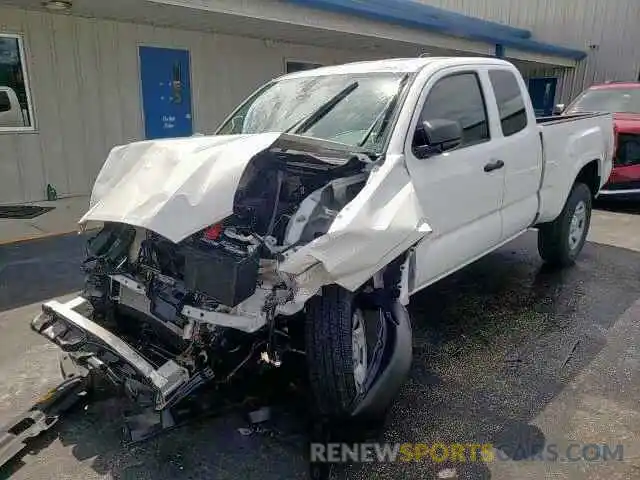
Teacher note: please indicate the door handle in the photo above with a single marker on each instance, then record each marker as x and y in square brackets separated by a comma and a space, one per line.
[495, 165]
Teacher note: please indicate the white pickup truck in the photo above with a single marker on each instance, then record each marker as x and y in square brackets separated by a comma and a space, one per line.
[303, 227]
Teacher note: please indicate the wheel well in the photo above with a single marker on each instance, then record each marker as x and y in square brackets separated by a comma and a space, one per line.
[590, 177]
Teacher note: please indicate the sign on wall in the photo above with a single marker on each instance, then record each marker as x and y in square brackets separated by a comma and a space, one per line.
[165, 79]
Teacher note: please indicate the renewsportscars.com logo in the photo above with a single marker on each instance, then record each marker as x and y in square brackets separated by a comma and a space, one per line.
[459, 453]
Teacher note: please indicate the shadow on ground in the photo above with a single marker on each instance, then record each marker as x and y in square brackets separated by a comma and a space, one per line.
[627, 206]
[40, 269]
[493, 345]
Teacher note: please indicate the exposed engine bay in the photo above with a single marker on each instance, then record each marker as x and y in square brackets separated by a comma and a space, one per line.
[174, 302]
[161, 318]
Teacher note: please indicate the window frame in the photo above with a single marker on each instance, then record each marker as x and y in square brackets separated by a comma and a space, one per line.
[27, 85]
[495, 96]
[483, 96]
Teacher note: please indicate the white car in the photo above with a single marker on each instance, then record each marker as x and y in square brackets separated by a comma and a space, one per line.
[301, 230]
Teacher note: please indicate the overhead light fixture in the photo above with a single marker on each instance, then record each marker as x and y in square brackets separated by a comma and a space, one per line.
[57, 5]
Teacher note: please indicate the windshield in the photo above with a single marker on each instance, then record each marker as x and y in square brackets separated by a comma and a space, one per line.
[350, 109]
[609, 100]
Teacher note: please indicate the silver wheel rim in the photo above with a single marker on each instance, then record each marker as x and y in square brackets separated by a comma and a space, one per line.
[359, 346]
[578, 225]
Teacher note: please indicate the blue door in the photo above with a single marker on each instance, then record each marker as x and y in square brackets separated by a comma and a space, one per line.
[543, 95]
[165, 79]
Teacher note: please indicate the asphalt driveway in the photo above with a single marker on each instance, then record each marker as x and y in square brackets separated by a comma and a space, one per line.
[505, 351]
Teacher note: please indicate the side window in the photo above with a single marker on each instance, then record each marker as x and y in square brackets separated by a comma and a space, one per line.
[459, 98]
[513, 114]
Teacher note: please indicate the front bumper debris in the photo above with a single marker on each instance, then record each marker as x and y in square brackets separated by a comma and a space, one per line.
[39, 418]
[74, 333]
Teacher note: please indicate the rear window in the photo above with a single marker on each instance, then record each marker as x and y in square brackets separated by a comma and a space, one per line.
[511, 107]
[608, 100]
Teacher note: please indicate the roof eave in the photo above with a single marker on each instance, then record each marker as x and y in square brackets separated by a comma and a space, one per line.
[426, 17]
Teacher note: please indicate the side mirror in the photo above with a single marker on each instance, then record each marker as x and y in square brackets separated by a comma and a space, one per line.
[436, 136]
[558, 109]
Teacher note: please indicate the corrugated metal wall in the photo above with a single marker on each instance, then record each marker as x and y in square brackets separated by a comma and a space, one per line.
[610, 24]
[85, 89]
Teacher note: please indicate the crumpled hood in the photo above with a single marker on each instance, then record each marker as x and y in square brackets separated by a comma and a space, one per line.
[173, 187]
[178, 187]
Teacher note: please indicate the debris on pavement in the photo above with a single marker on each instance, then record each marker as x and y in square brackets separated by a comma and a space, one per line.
[448, 473]
[14, 436]
[571, 352]
[513, 357]
[261, 415]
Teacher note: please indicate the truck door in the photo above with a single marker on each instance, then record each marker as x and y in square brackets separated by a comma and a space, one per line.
[460, 190]
[517, 136]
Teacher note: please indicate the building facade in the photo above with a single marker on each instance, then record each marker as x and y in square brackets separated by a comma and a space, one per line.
[604, 30]
[82, 76]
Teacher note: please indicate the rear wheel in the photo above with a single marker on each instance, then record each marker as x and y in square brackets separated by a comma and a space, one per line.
[561, 241]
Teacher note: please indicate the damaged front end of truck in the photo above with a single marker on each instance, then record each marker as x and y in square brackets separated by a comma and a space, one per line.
[219, 256]
[205, 278]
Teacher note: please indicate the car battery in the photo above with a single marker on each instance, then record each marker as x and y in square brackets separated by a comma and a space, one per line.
[225, 270]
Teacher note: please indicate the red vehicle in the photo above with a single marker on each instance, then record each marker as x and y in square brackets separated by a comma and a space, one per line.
[623, 100]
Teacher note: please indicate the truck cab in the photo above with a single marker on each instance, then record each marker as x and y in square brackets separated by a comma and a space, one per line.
[507, 171]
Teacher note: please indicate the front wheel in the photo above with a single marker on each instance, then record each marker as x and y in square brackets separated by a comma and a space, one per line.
[561, 241]
[337, 353]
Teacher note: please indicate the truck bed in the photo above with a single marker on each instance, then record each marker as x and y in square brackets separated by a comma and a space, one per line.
[565, 138]
[566, 118]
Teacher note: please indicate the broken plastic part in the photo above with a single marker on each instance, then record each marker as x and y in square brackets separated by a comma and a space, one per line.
[213, 232]
[165, 380]
[276, 362]
[261, 415]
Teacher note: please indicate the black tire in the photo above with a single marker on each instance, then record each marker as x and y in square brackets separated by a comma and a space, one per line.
[329, 350]
[554, 244]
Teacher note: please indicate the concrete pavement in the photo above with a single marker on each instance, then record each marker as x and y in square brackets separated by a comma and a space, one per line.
[40, 269]
[63, 219]
[616, 227]
[599, 407]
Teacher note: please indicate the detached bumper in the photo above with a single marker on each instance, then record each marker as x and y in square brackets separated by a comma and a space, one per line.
[94, 347]
[15, 435]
